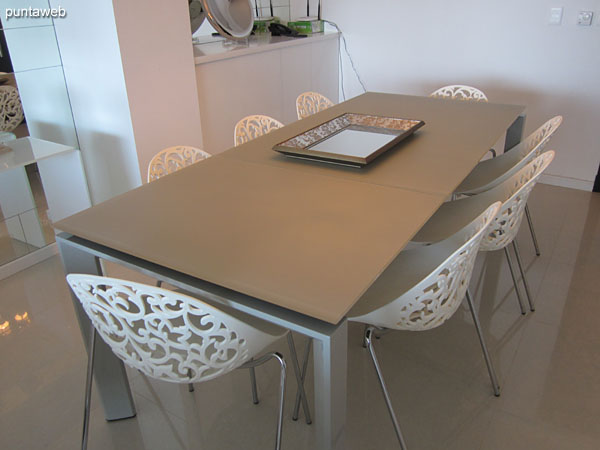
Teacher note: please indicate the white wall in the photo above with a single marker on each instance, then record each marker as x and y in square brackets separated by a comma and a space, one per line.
[506, 48]
[155, 40]
[130, 74]
[90, 52]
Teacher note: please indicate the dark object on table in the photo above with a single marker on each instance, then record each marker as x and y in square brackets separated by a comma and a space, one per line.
[278, 29]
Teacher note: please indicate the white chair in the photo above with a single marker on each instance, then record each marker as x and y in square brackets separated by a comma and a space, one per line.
[460, 92]
[513, 194]
[309, 103]
[172, 159]
[11, 109]
[251, 127]
[492, 172]
[174, 337]
[421, 289]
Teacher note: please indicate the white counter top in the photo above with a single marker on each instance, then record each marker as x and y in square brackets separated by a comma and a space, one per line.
[218, 48]
[28, 150]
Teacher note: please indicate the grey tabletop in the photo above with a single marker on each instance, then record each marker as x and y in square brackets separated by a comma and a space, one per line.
[308, 236]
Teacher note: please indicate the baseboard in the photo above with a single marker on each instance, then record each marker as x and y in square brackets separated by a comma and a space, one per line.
[573, 183]
[28, 260]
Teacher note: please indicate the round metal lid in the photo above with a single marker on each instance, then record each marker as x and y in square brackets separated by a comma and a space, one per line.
[197, 14]
[233, 19]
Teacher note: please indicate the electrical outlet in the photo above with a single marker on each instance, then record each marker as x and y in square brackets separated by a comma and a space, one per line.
[555, 16]
[584, 18]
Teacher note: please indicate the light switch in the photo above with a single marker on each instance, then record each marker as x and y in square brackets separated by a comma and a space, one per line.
[555, 16]
[584, 18]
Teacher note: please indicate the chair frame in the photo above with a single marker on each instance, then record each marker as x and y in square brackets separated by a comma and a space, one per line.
[503, 229]
[374, 324]
[529, 148]
[406, 311]
[209, 342]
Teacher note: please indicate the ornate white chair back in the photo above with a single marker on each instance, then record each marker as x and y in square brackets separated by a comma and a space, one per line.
[309, 103]
[251, 127]
[172, 159]
[435, 298]
[460, 92]
[513, 193]
[11, 109]
[165, 334]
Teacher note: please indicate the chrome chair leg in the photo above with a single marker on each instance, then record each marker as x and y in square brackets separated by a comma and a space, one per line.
[253, 385]
[300, 375]
[369, 341]
[88, 390]
[486, 354]
[281, 400]
[257, 362]
[190, 385]
[514, 277]
[530, 222]
[518, 255]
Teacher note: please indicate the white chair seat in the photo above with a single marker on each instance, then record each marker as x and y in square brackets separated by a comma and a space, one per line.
[420, 290]
[501, 232]
[175, 337]
[453, 216]
[492, 172]
[407, 270]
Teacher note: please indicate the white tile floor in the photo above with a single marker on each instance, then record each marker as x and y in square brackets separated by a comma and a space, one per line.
[548, 364]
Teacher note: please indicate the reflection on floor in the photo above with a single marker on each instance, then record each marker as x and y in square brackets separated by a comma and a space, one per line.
[548, 364]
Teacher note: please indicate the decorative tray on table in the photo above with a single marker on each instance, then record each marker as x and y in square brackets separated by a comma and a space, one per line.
[351, 139]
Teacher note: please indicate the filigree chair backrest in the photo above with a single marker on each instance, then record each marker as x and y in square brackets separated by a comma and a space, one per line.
[11, 110]
[460, 92]
[513, 193]
[534, 144]
[172, 159]
[309, 103]
[165, 334]
[251, 127]
[520, 155]
[437, 293]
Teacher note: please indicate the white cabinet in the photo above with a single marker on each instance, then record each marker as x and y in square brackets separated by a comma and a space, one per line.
[263, 76]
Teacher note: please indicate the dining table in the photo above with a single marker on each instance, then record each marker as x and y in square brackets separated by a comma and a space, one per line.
[294, 242]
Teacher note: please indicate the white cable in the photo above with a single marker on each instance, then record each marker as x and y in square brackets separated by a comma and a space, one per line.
[333, 24]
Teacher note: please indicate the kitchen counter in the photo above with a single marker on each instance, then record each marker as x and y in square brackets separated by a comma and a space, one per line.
[215, 48]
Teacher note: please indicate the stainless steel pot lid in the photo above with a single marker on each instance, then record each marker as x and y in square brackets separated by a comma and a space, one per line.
[233, 19]
[197, 14]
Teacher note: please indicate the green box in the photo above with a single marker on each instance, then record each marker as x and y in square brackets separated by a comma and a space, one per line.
[307, 26]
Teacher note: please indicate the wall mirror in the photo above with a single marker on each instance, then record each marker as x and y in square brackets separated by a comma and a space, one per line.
[32, 81]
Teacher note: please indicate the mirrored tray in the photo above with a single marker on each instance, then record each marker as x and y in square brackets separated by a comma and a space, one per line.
[351, 139]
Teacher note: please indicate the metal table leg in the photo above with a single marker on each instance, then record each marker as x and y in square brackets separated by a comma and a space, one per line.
[330, 367]
[109, 371]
